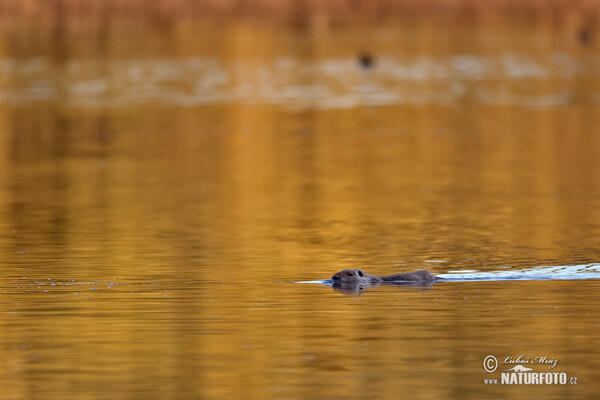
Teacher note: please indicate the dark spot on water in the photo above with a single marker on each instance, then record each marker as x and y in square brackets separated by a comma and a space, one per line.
[584, 35]
[366, 61]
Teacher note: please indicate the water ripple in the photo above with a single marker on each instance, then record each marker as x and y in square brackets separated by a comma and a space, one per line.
[560, 272]
[294, 83]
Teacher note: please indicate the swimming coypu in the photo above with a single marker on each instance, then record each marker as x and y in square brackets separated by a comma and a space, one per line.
[358, 277]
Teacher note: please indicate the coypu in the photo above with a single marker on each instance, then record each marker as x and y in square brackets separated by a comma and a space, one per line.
[358, 277]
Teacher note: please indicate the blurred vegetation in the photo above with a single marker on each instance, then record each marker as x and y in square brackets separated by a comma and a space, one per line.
[288, 8]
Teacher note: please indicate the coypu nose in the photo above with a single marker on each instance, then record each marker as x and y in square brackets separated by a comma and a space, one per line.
[335, 277]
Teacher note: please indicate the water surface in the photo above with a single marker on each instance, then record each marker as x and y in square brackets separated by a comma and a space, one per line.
[163, 184]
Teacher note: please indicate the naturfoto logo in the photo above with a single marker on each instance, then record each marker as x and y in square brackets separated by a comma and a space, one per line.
[522, 371]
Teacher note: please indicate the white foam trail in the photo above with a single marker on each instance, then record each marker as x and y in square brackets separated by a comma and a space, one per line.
[562, 272]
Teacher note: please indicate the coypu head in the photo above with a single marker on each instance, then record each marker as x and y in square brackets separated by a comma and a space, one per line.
[350, 276]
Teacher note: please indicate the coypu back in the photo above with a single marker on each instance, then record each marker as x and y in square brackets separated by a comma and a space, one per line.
[417, 276]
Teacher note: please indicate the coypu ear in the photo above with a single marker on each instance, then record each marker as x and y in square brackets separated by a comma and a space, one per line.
[359, 272]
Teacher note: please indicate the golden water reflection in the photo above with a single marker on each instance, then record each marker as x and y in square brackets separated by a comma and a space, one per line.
[148, 243]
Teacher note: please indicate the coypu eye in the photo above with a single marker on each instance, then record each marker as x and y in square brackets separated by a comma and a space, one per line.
[359, 272]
